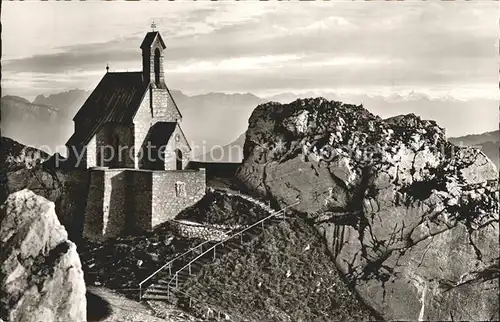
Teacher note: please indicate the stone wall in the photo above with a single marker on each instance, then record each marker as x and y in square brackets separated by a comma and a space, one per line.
[93, 223]
[122, 201]
[172, 145]
[167, 200]
[163, 108]
[71, 203]
[197, 230]
[107, 206]
[116, 203]
[120, 138]
[142, 122]
[90, 155]
[141, 181]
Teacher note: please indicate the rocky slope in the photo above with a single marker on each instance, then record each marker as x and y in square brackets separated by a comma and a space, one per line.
[411, 220]
[40, 270]
[15, 156]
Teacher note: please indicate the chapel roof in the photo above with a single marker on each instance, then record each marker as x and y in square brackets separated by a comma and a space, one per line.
[160, 133]
[150, 38]
[115, 99]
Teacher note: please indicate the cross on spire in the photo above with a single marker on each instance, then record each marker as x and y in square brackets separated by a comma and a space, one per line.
[153, 26]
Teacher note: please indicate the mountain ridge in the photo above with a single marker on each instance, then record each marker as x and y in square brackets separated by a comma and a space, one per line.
[213, 119]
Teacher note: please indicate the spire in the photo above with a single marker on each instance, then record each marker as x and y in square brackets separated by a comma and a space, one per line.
[153, 26]
[107, 68]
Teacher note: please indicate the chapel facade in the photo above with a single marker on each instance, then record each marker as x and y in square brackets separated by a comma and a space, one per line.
[128, 135]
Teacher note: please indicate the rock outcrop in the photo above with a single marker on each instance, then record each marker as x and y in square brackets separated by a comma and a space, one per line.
[17, 156]
[411, 219]
[40, 271]
[23, 167]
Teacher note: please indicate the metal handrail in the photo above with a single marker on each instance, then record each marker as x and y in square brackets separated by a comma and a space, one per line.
[167, 264]
[228, 238]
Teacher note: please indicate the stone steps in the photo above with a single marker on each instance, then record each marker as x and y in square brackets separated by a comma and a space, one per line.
[161, 288]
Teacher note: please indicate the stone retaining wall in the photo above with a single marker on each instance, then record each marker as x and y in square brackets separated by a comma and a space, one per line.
[197, 230]
[174, 191]
[122, 201]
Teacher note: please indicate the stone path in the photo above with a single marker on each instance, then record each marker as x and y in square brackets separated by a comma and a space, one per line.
[122, 308]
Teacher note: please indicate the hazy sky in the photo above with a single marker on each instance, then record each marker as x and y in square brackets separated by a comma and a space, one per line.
[441, 49]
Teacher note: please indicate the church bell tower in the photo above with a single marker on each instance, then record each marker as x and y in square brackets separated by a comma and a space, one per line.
[152, 58]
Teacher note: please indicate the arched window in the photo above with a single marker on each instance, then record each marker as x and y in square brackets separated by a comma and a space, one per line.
[178, 159]
[157, 66]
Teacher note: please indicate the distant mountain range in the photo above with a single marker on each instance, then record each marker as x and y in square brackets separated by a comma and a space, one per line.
[218, 120]
[214, 119]
[488, 142]
[45, 123]
[209, 120]
[232, 152]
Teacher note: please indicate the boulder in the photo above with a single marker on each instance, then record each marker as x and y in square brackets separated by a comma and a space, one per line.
[410, 219]
[40, 271]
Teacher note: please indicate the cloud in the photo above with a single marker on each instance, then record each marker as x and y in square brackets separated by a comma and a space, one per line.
[252, 63]
[263, 47]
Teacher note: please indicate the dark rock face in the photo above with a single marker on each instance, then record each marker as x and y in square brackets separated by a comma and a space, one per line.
[23, 167]
[67, 189]
[40, 271]
[411, 219]
[15, 156]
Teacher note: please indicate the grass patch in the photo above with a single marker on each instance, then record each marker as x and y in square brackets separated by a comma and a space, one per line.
[285, 274]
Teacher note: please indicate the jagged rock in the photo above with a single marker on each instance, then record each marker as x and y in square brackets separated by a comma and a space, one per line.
[40, 271]
[16, 156]
[411, 219]
[64, 188]
[22, 167]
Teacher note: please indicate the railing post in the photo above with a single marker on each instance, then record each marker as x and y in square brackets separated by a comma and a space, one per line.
[169, 270]
[140, 292]
[189, 267]
[214, 252]
[241, 238]
[176, 280]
